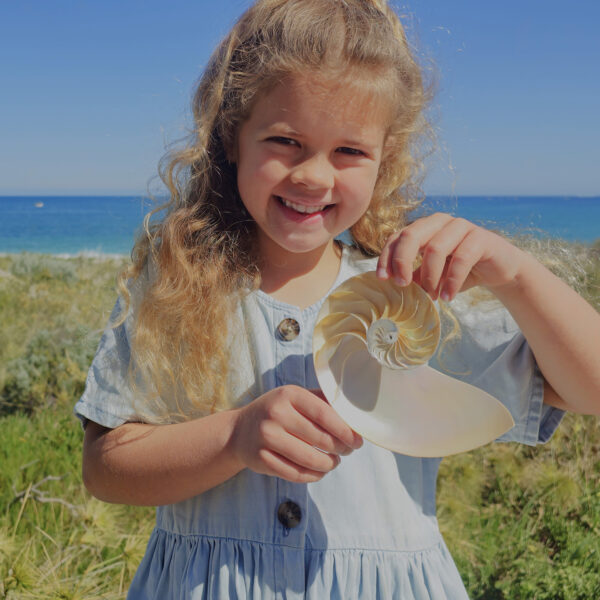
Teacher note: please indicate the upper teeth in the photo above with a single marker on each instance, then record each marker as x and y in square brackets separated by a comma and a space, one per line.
[301, 208]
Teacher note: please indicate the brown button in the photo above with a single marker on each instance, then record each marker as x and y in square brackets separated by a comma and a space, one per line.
[288, 329]
[289, 514]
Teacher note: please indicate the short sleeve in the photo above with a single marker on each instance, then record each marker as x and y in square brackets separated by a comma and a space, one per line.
[493, 355]
[107, 398]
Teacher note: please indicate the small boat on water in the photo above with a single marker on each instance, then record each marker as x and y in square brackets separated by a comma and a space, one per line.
[39, 204]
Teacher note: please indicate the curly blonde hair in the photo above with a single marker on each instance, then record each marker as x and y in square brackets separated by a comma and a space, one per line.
[198, 261]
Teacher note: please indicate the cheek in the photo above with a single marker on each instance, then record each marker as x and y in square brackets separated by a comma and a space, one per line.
[269, 172]
[259, 173]
[360, 185]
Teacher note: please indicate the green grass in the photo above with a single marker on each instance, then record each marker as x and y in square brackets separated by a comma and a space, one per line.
[520, 522]
[525, 522]
[56, 541]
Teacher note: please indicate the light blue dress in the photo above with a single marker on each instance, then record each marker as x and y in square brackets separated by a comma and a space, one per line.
[368, 529]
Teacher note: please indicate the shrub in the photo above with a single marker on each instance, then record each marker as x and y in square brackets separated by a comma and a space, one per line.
[53, 367]
[37, 268]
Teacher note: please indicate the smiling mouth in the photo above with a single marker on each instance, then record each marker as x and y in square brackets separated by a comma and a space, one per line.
[301, 208]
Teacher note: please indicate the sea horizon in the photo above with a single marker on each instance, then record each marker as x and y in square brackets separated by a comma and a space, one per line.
[105, 225]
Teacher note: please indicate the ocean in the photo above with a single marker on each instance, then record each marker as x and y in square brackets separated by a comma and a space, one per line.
[70, 225]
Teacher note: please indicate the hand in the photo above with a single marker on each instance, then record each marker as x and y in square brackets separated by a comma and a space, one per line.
[292, 433]
[456, 255]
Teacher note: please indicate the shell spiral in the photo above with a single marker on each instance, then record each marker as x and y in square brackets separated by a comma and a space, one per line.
[371, 341]
[399, 326]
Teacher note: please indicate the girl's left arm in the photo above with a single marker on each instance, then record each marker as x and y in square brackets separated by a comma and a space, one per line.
[562, 329]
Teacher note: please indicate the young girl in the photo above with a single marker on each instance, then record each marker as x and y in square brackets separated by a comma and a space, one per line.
[202, 398]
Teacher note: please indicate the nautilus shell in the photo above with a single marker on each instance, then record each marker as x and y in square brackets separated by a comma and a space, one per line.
[371, 344]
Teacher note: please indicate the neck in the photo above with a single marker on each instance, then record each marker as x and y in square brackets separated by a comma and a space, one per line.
[300, 279]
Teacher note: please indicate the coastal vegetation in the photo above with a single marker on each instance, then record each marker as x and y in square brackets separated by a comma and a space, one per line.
[521, 522]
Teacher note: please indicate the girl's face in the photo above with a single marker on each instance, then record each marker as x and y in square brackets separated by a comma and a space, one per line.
[308, 159]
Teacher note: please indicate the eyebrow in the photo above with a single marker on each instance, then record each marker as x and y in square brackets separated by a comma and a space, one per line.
[281, 128]
[348, 142]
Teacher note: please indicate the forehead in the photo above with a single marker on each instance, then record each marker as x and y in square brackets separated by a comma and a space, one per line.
[309, 101]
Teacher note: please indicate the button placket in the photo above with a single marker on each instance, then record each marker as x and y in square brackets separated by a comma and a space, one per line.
[289, 334]
[290, 510]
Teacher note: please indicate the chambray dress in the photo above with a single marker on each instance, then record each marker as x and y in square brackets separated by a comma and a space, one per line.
[368, 529]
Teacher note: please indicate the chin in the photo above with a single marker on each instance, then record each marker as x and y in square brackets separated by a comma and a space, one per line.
[303, 248]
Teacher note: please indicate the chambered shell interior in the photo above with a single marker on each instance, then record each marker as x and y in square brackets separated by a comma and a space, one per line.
[399, 326]
[371, 341]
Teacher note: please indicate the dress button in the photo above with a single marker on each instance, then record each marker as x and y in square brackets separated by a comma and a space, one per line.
[289, 514]
[288, 329]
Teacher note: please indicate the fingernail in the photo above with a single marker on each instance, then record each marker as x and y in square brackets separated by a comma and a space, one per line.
[382, 273]
[400, 281]
[445, 296]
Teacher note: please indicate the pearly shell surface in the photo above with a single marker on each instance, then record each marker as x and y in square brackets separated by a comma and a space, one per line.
[371, 344]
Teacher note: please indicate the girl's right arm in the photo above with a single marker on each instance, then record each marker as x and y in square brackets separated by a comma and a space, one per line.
[288, 432]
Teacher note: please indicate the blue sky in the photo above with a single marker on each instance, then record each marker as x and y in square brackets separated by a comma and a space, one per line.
[92, 91]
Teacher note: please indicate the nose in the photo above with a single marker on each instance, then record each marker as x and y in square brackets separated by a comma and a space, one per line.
[315, 172]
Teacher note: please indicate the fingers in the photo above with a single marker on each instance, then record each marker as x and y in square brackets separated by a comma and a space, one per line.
[319, 393]
[319, 437]
[461, 265]
[296, 450]
[437, 254]
[450, 248]
[324, 421]
[403, 248]
[280, 466]
[292, 433]
[317, 424]
[383, 264]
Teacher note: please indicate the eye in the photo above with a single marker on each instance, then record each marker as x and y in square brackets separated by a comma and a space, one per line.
[284, 141]
[350, 151]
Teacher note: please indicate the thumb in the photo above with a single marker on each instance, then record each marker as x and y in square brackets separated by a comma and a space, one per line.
[358, 440]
